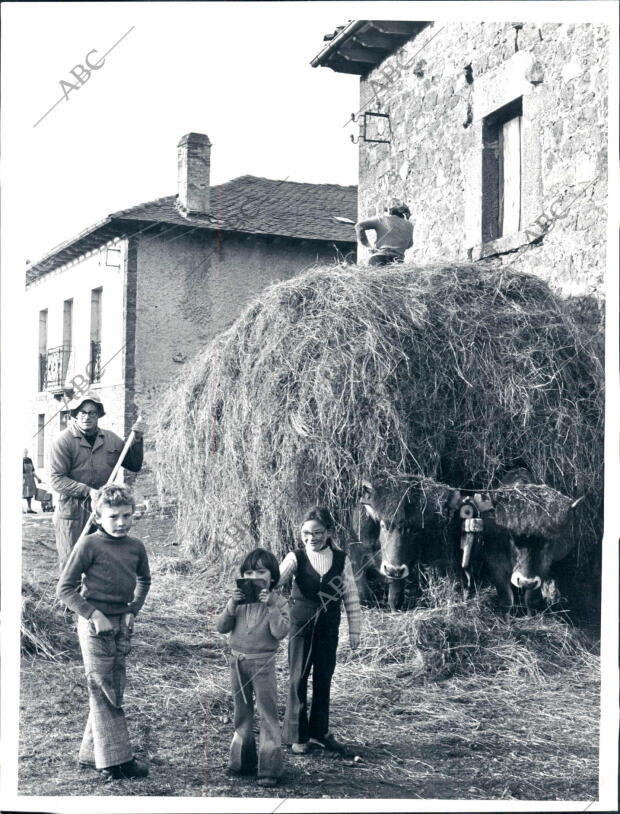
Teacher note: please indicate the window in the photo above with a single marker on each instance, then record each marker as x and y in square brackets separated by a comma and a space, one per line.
[501, 172]
[67, 323]
[95, 334]
[42, 349]
[41, 441]
[64, 419]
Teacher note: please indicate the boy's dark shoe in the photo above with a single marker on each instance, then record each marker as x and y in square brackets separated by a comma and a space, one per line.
[133, 768]
[125, 771]
[244, 772]
[111, 773]
[329, 743]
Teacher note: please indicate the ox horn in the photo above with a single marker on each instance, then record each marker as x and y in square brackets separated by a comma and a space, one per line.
[577, 502]
[466, 547]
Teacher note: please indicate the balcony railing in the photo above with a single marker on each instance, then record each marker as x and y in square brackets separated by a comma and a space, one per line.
[54, 367]
[95, 361]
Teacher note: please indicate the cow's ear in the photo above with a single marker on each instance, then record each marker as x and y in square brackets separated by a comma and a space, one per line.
[454, 501]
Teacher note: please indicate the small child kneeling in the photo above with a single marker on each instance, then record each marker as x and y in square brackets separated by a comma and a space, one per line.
[114, 572]
[255, 631]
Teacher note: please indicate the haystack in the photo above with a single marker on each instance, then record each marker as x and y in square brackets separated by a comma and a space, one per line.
[451, 373]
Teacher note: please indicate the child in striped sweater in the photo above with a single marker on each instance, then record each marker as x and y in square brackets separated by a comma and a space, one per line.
[322, 581]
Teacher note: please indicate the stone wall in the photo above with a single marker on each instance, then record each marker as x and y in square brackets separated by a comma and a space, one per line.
[438, 88]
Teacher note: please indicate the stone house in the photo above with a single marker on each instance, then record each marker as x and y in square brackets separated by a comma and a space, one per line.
[123, 305]
[495, 134]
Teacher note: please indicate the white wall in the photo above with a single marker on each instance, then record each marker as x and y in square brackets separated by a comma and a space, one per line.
[76, 281]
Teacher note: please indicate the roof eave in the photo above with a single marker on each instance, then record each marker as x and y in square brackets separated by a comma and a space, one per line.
[111, 227]
[362, 45]
[320, 59]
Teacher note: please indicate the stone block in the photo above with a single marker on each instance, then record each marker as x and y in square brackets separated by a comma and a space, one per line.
[499, 87]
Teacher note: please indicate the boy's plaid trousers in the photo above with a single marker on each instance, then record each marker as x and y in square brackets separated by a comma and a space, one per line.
[106, 740]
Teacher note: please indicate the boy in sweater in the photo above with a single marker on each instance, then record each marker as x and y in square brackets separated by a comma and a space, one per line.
[115, 578]
[255, 631]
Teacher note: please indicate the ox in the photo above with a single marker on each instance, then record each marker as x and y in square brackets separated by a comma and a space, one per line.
[395, 528]
[398, 527]
[518, 550]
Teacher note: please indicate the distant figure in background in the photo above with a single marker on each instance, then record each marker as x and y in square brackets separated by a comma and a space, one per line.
[81, 461]
[393, 235]
[29, 486]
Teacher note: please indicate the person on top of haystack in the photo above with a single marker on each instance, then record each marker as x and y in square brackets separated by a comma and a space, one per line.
[82, 458]
[393, 234]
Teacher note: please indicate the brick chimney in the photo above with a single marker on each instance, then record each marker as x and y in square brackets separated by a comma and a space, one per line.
[194, 165]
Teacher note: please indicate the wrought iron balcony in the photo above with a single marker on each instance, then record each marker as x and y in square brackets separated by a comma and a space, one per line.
[95, 361]
[54, 367]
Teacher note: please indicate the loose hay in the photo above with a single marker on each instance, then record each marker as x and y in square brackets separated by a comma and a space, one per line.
[46, 628]
[532, 510]
[446, 636]
[451, 373]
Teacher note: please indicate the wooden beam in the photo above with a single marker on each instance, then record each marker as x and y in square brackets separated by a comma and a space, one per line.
[349, 66]
[373, 39]
[358, 53]
[395, 27]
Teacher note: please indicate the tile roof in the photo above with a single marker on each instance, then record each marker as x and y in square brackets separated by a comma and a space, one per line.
[248, 204]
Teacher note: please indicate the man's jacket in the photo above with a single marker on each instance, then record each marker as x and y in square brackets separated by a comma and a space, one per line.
[76, 467]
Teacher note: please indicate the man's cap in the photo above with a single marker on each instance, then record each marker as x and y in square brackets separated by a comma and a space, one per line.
[73, 409]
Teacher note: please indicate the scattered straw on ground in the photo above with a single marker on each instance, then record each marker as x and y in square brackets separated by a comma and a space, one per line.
[446, 701]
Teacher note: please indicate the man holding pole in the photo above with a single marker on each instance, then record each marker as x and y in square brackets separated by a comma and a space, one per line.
[82, 460]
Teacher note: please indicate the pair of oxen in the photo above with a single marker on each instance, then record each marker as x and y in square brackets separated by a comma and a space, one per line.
[396, 528]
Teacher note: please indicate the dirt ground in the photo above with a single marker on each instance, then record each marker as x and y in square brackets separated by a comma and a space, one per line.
[451, 739]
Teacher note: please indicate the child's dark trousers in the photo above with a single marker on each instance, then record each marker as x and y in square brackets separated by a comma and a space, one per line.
[313, 641]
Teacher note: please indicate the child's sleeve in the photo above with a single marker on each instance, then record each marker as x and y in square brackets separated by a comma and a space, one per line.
[226, 621]
[143, 582]
[288, 568]
[279, 619]
[67, 589]
[351, 600]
